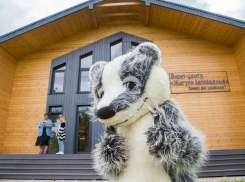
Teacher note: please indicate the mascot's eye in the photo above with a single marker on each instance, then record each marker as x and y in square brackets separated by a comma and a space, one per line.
[130, 85]
[130, 82]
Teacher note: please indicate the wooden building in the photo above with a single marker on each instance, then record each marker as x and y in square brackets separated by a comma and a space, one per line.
[44, 68]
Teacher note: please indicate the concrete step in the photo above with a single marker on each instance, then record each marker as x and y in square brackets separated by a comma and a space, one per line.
[79, 166]
[46, 170]
[53, 176]
[220, 173]
[46, 161]
[226, 160]
[45, 156]
[223, 166]
[42, 166]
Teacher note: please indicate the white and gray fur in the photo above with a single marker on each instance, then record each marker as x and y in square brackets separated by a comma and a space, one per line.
[111, 154]
[133, 65]
[172, 141]
[95, 76]
[175, 143]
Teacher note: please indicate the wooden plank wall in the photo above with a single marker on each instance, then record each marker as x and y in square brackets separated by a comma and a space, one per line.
[7, 73]
[239, 53]
[218, 114]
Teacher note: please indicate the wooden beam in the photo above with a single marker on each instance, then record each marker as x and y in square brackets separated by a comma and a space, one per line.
[94, 18]
[120, 14]
[147, 12]
[119, 4]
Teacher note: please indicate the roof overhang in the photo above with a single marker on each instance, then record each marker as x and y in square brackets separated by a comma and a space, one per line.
[100, 11]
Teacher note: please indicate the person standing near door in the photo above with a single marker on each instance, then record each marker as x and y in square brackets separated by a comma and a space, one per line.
[61, 134]
[44, 134]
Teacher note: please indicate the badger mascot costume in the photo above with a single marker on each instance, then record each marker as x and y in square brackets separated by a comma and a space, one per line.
[147, 137]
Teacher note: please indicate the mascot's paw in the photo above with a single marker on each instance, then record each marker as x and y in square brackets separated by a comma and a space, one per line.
[175, 146]
[180, 153]
[173, 141]
[166, 143]
[111, 154]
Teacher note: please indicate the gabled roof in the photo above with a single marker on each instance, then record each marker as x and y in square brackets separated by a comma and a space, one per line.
[96, 17]
[88, 4]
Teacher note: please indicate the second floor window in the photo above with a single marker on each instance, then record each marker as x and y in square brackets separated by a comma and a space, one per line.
[58, 79]
[85, 63]
[116, 49]
[134, 45]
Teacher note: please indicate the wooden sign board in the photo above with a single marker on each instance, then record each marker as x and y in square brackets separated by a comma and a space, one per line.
[197, 82]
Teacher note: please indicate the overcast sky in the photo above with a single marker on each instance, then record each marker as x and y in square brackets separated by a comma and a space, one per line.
[17, 13]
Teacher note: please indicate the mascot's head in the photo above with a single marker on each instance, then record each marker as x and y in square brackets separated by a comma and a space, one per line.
[129, 86]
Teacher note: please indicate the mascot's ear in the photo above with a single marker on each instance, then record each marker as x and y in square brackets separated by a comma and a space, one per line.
[151, 50]
[95, 71]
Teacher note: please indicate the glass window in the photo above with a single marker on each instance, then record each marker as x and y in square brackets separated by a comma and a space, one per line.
[83, 129]
[134, 45]
[58, 79]
[116, 49]
[55, 117]
[87, 61]
[84, 82]
[58, 82]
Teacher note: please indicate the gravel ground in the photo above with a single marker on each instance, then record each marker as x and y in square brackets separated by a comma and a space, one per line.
[230, 179]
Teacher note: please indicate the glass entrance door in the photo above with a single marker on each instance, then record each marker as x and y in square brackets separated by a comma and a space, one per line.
[84, 130]
[55, 113]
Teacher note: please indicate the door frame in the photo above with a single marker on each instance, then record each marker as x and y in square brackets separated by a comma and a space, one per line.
[77, 128]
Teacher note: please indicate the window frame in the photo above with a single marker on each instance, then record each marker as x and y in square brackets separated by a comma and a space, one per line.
[53, 78]
[76, 131]
[114, 43]
[83, 69]
[134, 43]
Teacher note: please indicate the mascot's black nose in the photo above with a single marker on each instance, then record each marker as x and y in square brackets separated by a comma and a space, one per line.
[105, 112]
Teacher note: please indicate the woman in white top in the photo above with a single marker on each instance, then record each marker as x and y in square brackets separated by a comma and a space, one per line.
[61, 133]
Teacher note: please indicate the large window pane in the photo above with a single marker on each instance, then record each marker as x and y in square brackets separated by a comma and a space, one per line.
[86, 62]
[84, 81]
[83, 129]
[116, 49]
[58, 81]
[53, 143]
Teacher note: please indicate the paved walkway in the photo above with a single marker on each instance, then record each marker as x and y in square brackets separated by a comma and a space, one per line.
[228, 179]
